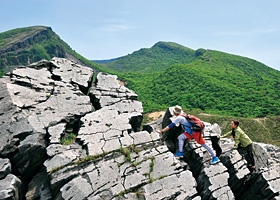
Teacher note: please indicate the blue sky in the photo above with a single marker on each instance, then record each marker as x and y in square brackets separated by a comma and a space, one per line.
[105, 29]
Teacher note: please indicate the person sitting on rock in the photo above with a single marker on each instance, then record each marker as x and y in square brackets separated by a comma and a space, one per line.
[188, 134]
[242, 141]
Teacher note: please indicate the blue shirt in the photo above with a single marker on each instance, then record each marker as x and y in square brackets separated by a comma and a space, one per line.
[186, 125]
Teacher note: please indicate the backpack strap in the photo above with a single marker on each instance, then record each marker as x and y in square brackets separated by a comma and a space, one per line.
[188, 121]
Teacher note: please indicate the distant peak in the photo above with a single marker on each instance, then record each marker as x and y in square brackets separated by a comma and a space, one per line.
[170, 45]
[161, 43]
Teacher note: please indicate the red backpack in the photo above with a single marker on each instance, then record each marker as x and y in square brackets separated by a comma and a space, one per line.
[197, 124]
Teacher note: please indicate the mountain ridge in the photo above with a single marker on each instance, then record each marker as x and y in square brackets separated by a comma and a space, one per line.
[23, 46]
[173, 53]
[20, 35]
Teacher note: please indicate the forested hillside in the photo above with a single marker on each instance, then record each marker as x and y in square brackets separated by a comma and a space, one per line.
[212, 81]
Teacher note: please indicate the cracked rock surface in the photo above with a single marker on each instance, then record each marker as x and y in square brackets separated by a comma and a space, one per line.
[109, 155]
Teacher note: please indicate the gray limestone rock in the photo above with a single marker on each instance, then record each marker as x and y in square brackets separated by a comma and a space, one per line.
[264, 185]
[213, 183]
[237, 168]
[56, 133]
[10, 188]
[111, 157]
[261, 156]
[77, 189]
[60, 155]
[152, 126]
[69, 72]
[59, 177]
[5, 167]
[30, 156]
[8, 145]
[181, 186]
[39, 187]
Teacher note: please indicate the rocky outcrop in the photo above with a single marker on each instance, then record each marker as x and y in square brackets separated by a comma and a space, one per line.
[47, 104]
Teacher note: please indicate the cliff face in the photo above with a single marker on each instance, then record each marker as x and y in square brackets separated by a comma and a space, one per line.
[26, 47]
[112, 157]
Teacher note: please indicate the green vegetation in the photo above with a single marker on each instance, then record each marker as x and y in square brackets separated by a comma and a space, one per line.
[126, 153]
[2, 72]
[152, 164]
[211, 81]
[223, 85]
[43, 43]
[159, 57]
[69, 139]
[79, 162]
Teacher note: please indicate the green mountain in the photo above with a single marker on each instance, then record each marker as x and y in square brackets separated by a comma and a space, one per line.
[214, 82]
[157, 58]
[24, 46]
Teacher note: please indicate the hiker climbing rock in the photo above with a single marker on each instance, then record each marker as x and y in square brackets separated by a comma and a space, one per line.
[242, 141]
[191, 132]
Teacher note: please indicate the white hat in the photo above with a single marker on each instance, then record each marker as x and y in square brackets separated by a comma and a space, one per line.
[177, 109]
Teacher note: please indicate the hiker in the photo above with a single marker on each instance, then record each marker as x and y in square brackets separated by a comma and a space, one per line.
[242, 141]
[188, 134]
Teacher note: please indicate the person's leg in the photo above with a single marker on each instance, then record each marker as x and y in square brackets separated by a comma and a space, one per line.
[216, 146]
[210, 150]
[200, 140]
[182, 139]
[250, 153]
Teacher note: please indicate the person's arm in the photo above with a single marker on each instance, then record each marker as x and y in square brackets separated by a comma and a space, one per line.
[166, 128]
[236, 138]
[226, 135]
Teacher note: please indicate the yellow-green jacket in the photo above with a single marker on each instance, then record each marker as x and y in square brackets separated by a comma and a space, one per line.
[240, 137]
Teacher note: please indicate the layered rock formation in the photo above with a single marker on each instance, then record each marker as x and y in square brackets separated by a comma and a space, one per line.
[46, 104]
